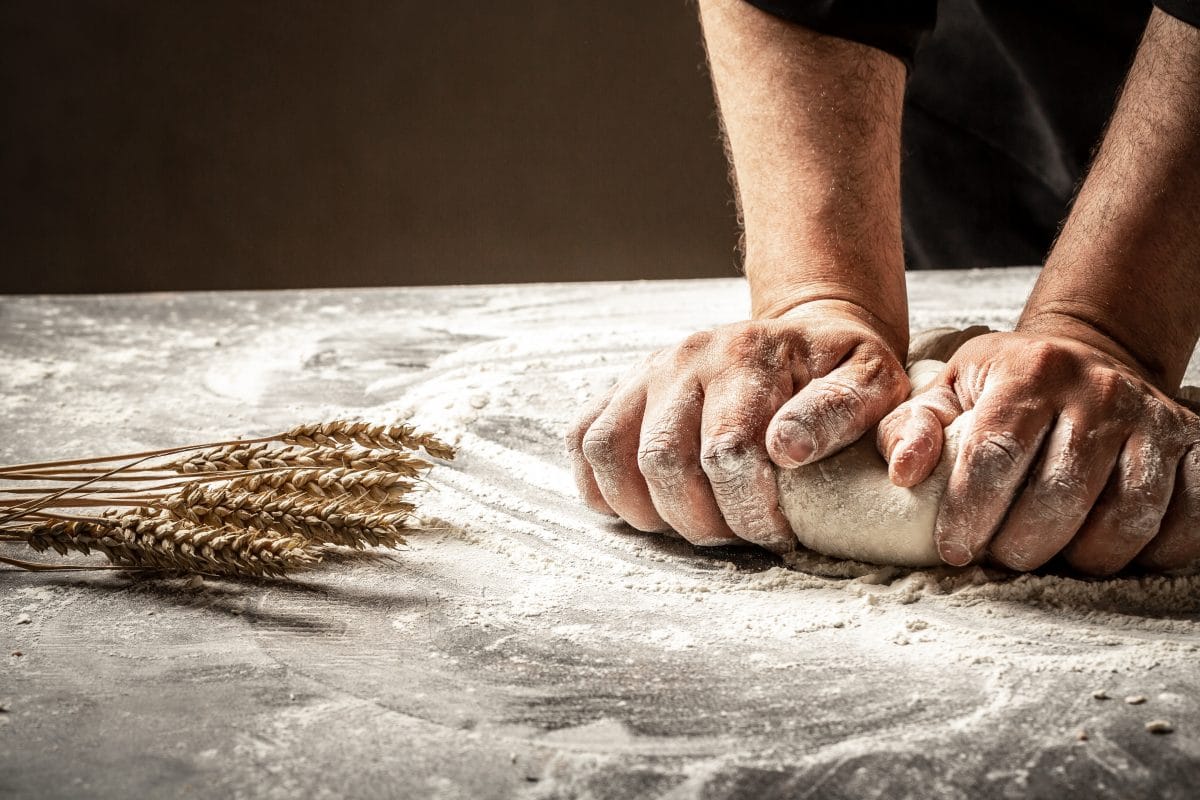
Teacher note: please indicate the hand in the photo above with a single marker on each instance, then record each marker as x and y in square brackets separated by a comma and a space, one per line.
[1071, 450]
[688, 438]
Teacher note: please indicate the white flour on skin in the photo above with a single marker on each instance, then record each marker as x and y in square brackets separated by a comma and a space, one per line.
[847, 506]
[743, 478]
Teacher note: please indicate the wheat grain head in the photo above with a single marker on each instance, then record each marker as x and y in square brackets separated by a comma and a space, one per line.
[383, 437]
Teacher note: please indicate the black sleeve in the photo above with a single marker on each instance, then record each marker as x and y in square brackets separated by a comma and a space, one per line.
[1186, 10]
[894, 26]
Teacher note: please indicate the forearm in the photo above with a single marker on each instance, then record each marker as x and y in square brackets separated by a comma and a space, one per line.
[1127, 264]
[813, 129]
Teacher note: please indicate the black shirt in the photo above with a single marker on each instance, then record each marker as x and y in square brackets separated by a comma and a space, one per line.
[1006, 101]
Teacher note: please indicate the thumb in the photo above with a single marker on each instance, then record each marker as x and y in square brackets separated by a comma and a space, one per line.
[837, 409]
[911, 437]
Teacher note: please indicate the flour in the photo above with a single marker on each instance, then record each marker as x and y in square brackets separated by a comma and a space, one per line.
[558, 557]
[522, 632]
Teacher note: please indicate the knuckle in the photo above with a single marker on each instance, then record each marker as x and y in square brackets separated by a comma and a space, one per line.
[1191, 462]
[1062, 496]
[728, 457]
[1139, 513]
[939, 402]
[600, 445]
[878, 366]
[1188, 425]
[1159, 415]
[1108, 387]
[756, 347]
[994, 453]
[745, 340]
[838, 403]
[660, 456]
[692, 346]
[1170, 426]
[1143, 494]
[894, 380]
[656, 361]
[1042, 359]
[574, 439]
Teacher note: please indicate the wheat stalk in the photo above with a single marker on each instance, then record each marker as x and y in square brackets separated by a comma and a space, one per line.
[251, 507]
[175, 545]
[367, 485]
[340, 522]
[336, 432]
[262, 456]
[385, 437]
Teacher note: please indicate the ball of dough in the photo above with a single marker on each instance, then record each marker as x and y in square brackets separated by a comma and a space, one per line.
[846, 506]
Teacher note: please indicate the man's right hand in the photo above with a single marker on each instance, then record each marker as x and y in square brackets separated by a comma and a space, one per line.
[687, 440]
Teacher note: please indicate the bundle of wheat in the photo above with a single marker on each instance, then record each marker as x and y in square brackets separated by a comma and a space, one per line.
[250, 507]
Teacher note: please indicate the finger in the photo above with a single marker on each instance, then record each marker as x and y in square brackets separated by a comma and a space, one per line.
[1177, 544]
[669, 459]
[992, 462]
[585, 481]
[1062, 488]
[737, 411]
[910, 438]
[836, 409]
[610, 447]
[1129, 511]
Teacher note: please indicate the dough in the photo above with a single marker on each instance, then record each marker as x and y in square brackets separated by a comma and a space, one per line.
[846, 506]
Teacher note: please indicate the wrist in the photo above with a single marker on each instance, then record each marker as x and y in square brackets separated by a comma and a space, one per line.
[870, 278]
[1138, 350]
[811, 302]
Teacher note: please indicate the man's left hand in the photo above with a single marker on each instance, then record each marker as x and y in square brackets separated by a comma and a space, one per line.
[1071, 450]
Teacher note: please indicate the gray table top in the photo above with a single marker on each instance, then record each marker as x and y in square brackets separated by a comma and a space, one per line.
[522, 646]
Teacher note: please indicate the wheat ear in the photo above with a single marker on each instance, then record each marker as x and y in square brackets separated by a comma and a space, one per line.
[341, 521]
[175, 545]
[383, 437]
[381, 488]
[263, 456]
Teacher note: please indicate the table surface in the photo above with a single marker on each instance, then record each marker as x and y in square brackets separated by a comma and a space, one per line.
[523, 647]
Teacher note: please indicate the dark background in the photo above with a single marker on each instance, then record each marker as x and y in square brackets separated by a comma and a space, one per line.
[168, 145]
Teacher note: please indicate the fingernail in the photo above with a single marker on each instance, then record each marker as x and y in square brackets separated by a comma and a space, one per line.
[897, 468]
[900, 461]
[954, 554]
[797, 444]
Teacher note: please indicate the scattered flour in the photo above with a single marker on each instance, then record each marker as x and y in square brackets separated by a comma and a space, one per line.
[511, 500]
[522, 622]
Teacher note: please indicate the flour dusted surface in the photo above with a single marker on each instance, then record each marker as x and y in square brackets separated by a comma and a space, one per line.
[525, 647]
